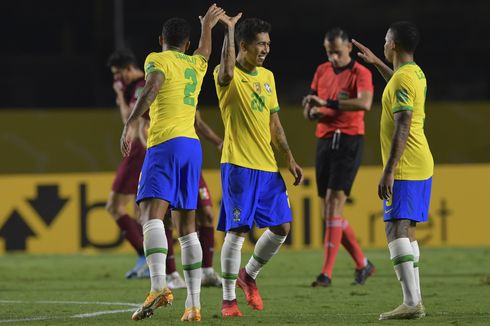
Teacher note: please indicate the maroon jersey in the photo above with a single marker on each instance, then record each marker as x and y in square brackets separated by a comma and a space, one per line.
[341, 84]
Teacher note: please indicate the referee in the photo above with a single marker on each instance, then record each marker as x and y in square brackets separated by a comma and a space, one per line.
[341, 91]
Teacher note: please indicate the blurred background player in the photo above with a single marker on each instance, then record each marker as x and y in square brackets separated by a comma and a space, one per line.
[406, 182]
[341, 91]
[253, 189]
[128, 83]
[170, 172]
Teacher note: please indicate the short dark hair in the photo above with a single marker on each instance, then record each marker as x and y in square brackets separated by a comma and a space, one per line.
[335, 33]
[122, 59]
[176, 31]
[248, 29]
[406, 34]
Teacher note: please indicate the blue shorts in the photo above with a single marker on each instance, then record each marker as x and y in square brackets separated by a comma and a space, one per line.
[252, 196]
[171, 172]
[410, 200]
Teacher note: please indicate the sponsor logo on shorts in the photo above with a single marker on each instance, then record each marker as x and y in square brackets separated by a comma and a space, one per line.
[236, 214]
[388, 211]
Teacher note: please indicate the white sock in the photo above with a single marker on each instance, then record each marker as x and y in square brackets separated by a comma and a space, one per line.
[191, 253]
[156, 247]
[416, 258]
[401, 255]
[266, 247]
[230, 264]
[207, 271]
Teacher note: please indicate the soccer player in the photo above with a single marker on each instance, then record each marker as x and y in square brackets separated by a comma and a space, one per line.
[253, 189]
[204, 221]
[170, 173]
[341, 91]
[128, 84]
[406, 182]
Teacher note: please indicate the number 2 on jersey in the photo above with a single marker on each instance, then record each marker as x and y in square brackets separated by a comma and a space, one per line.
[190, 88]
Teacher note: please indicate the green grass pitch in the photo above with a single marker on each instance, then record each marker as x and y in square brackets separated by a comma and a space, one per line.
[84, 289]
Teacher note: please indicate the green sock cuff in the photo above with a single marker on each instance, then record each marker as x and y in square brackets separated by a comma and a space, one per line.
[156, 251]
[191, 267]
[402, 259]
[228, 276]
[260, 260]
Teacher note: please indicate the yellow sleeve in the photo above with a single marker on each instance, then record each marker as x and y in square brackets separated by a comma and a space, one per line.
[403, 93]
[201, 63]
[274, 102]
[154, 63]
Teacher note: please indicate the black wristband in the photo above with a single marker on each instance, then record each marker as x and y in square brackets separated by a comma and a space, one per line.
[332, 104]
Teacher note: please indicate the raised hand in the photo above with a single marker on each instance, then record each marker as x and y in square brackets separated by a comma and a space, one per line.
[366, 54]
[212, 16]
[230, 22]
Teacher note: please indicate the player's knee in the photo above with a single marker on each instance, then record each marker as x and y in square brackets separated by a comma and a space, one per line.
[282, 229]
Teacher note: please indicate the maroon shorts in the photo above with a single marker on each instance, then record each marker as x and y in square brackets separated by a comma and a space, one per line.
[128, 172]
[204, 198]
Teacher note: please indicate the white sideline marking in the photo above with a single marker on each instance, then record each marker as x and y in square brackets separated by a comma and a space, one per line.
[85, 315]
[100, 313]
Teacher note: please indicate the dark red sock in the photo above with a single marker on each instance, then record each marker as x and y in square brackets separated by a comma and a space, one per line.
[170, 263]
[333, 236]
[206, 237]
[349, 241]
[133, 232]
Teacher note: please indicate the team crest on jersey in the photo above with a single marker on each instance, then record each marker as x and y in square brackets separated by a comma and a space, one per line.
[343, 95]
[236, 214]
[257, 88]
[268, 88]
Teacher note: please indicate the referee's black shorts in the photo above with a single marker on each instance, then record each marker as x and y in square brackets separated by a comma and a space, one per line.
[337, 161]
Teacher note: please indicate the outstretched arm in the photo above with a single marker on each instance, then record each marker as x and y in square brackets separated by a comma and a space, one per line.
[228, 54]
[280, 142]
[403, 120]
[362, 102]
[368, 56]
[204, 130]
[207, 23]
[153, 84]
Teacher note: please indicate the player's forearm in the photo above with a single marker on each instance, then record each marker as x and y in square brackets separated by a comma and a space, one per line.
[143, 103]
[143, 131]
[383, 69]
[355, 104]
[278, 136]
[204, 130]
[399, 140]
[227, 65]
[124, 108]
[205, 42]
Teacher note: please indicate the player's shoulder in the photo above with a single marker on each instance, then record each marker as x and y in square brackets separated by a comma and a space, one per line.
[324, 66]
[264, 72]
[360, 68]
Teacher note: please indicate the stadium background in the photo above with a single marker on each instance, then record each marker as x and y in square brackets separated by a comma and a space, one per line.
[59, 127]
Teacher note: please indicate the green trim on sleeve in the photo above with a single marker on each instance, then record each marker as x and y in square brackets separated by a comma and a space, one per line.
[402, 108]
[276, 109]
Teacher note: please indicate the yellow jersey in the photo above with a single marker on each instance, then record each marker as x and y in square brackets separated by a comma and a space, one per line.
[246, 105]
[173, 112]
[406, 91]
